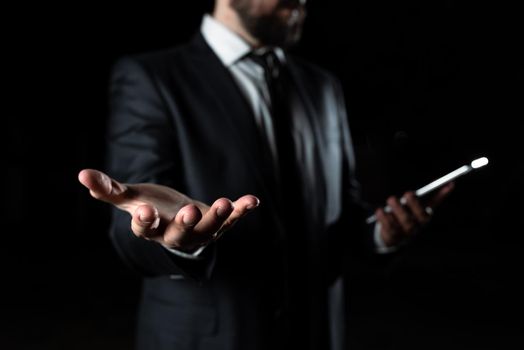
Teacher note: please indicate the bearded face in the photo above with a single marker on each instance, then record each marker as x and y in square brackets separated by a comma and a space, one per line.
[272, 22]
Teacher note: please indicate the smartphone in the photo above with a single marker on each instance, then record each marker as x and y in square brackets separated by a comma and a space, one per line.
[476, 164]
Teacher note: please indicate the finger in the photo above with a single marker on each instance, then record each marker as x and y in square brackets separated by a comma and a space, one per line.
[420, 215]
[145, 222]
[401, 215]
[389, 228]
[214, 218]
[242, 206]
[179, 233]
[441, 195]
[101, 186]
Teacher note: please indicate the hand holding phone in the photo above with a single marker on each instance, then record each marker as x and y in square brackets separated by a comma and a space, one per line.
[476, 164]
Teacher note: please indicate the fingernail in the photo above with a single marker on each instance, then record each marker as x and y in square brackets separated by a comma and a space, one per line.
[253, 206]
[143, 218]
[187, 220]
[221, 211]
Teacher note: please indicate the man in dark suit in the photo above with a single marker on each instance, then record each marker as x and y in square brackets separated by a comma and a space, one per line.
[230, 114]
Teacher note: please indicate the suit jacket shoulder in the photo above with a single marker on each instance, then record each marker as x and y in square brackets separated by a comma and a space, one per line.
[174, 59]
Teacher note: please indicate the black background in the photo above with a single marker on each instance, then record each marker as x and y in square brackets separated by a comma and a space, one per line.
[429, 86]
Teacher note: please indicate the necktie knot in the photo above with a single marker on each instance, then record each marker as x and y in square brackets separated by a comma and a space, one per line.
[269, 61]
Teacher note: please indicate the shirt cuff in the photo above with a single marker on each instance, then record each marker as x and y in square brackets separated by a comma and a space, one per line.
[190, 256]
[380, 246]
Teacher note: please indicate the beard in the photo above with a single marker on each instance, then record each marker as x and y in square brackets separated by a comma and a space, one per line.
[270, 29]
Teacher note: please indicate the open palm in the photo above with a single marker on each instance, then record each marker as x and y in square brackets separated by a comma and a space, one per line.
[165, 215]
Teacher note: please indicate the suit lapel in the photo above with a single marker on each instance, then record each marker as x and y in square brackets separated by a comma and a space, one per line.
[314, 180]
[232, 105]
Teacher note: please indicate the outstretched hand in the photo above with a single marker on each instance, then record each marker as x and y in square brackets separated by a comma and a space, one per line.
[407, 215]
[165, 215]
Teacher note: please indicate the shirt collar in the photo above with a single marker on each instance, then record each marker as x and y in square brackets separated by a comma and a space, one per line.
[227, 45]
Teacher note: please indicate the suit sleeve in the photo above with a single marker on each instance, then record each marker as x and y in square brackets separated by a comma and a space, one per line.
[142, 147]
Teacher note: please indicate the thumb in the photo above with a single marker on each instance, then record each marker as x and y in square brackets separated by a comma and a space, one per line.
[101, 186]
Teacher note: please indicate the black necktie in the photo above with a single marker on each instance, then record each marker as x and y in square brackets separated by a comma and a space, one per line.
[290, 195]
[277, 79]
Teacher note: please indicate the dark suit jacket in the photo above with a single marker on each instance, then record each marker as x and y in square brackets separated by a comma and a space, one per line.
[178, 119]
